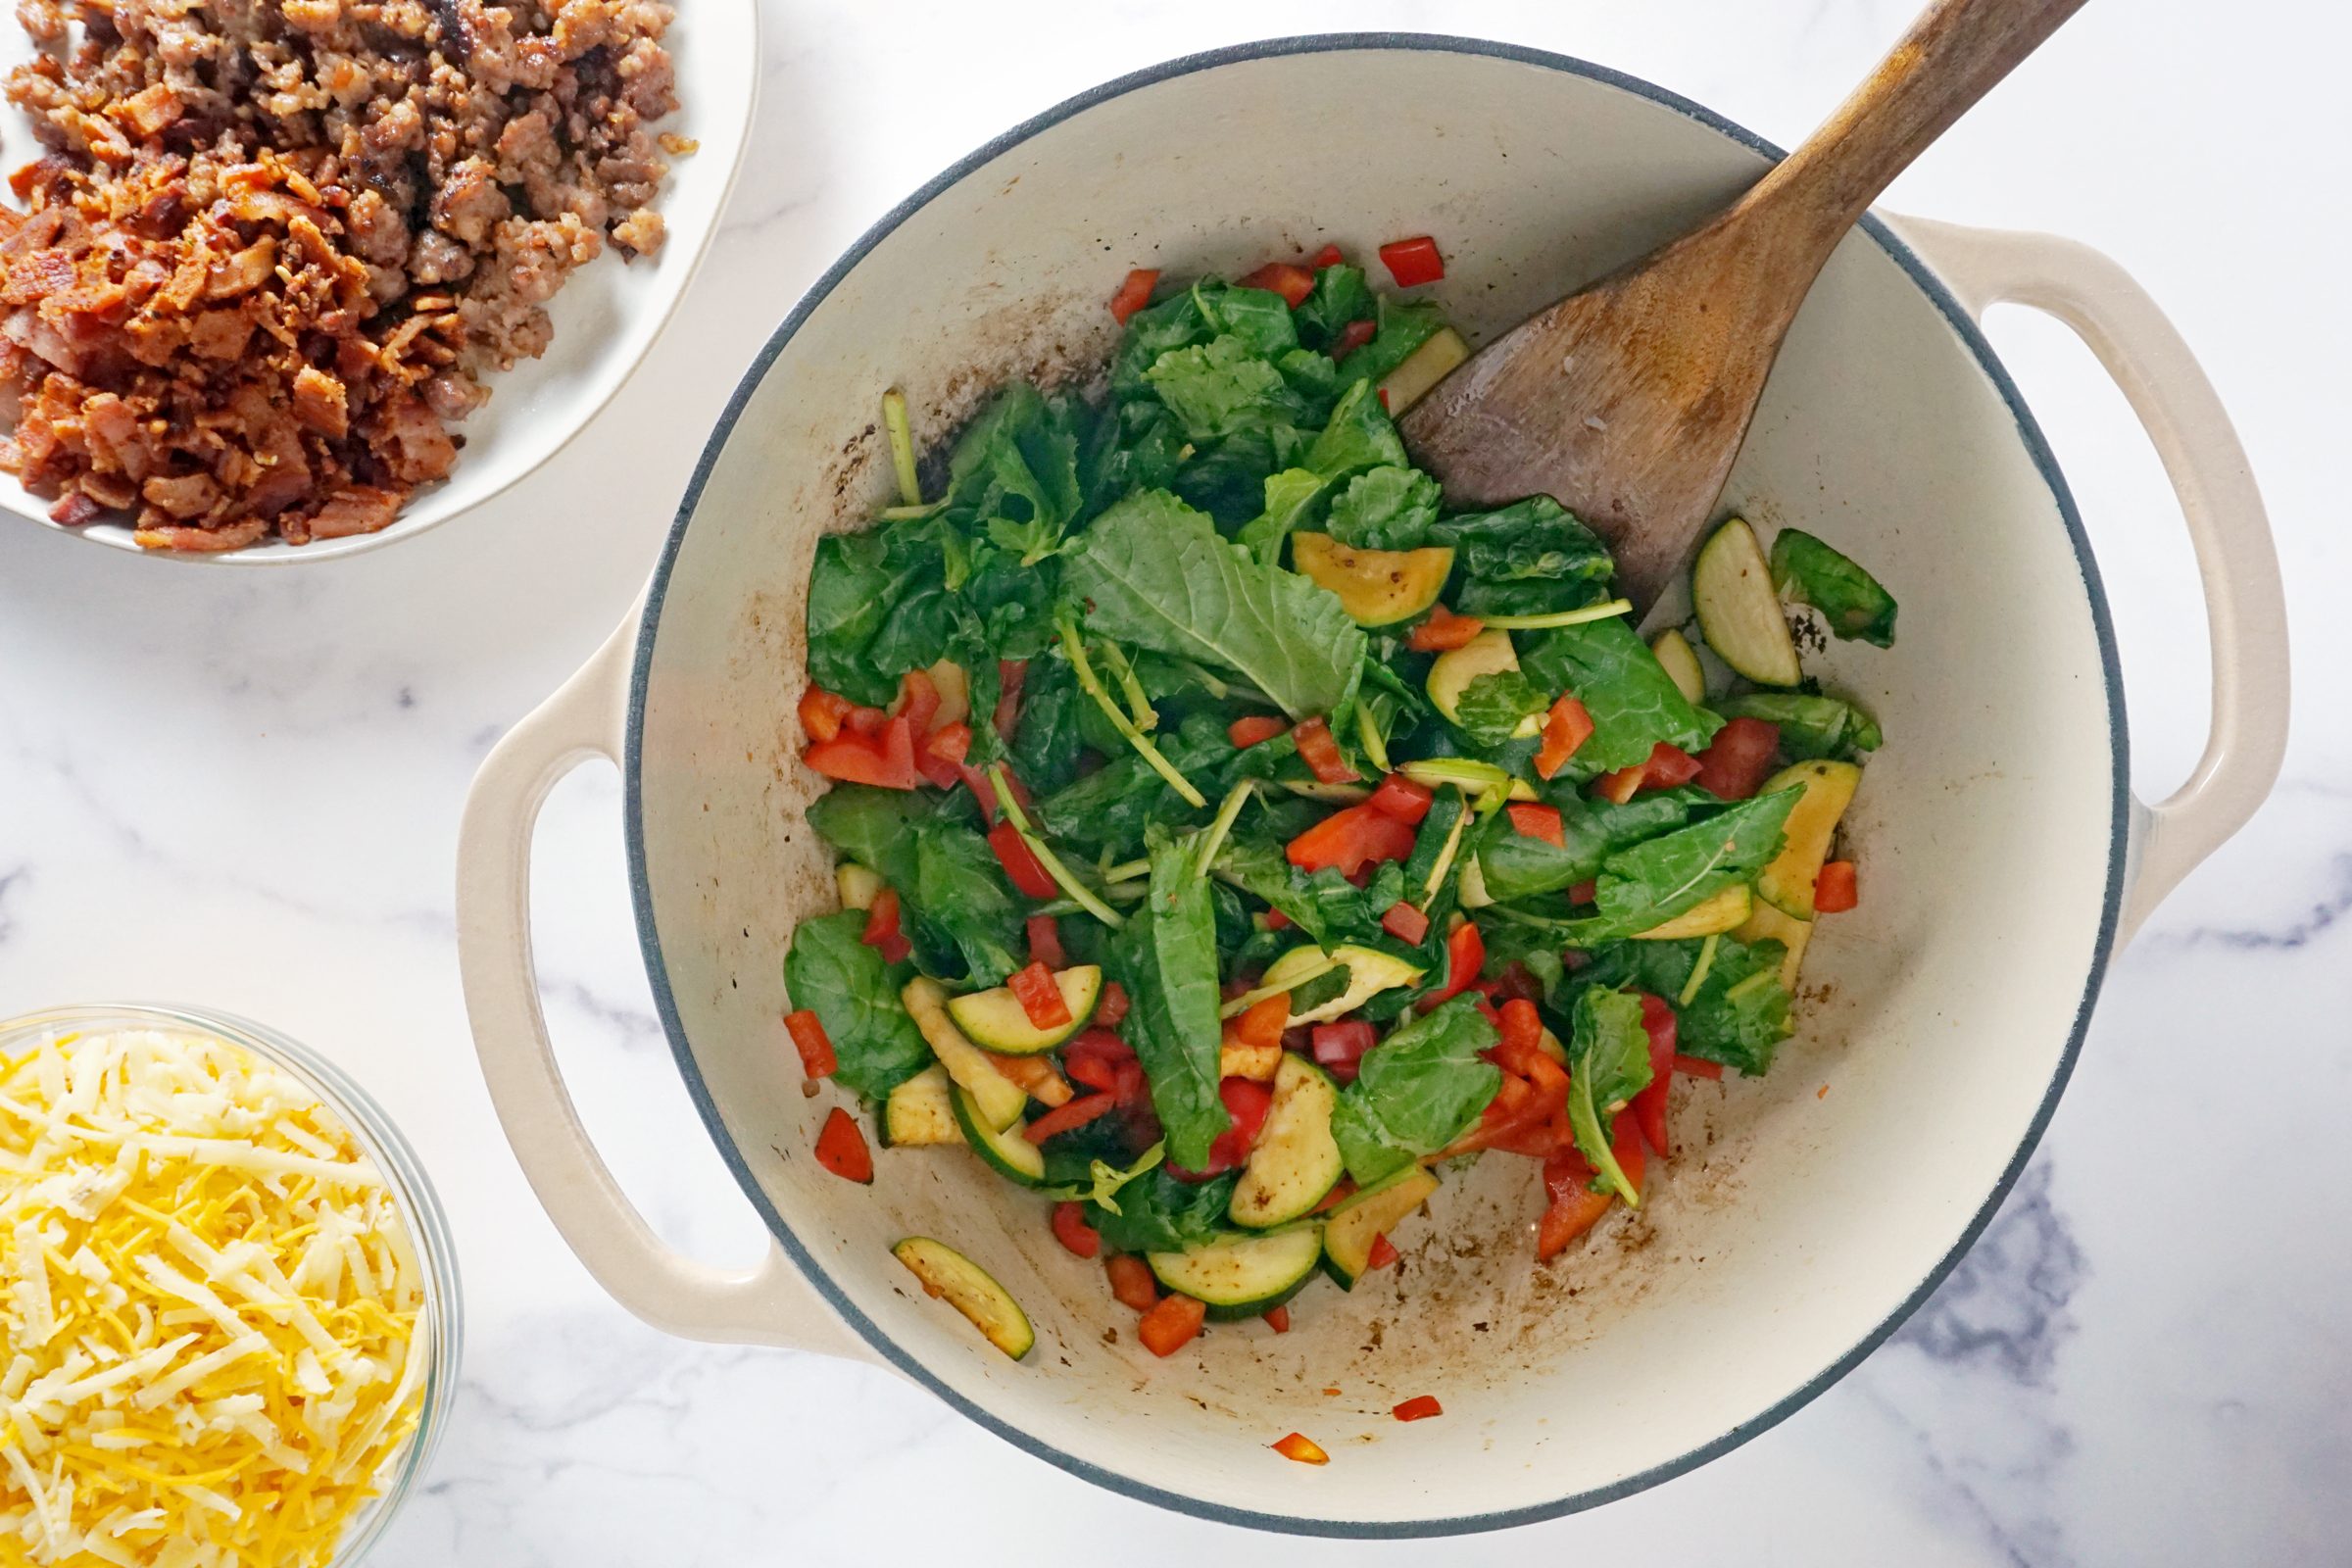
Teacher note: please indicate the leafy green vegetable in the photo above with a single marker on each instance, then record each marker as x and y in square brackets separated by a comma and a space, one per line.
[1292, 496]
[1105, 1181]
[1660, 878]
[1341, 297]
[1848, 598]
[1520, 557]
[1416, 1091]
[1520, 865]
[1015, 471]
[1608, 1063]
[1160, 1213]
[1384, 508]
[1738, 1015]
[1402, 329]
[1491, 707]
[1327, 909]
[1634, 703]
[1359, 435]
[855, 582]
[1811, 726]
[1157, 575]
[1055, 727]
[1223, 387]
[955, 905]
[1166, 956]
[855, 995]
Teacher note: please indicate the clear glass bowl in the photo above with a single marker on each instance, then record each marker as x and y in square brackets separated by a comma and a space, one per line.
[442, 1318]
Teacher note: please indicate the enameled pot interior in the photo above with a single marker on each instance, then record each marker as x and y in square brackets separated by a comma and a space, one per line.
[1808, 1207]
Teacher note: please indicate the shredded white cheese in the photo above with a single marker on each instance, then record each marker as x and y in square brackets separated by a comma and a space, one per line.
[210, 1305]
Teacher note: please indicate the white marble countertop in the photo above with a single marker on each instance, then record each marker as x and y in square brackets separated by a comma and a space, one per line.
[241, 788]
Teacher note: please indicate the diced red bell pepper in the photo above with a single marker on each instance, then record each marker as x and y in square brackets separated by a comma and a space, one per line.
[918, 700]
[1405, 923]
[1010, 674]
[1566, 728]
[1585, 892]
[1285, 278]
[841, 1148]
[1261, 1023]
[1096, 1072]
[1413, 261]
[1301, 1447]
[984, 791]
[1625, 1142]
[1340, 1046]
[1833, 889]
[1072, 1231]
[1465, 956]
[1328, 255]
[866, 723]
[1667, 766]
[1442, 631]
[1321, 753]
[1171, 1325]
[940, 759]
[1132, 1281]
[1383, 1254]
[1112, 1006]
[1402, 799]
[809, 1039]
[1276, 920]
[1340, 1193]
[888, 762]
[1737, 760]
[1134, 293]
[1535, 820]
[1279, 1319]
[1522, 1035]
[1040, 996]
[1699, 1066]
[1247, 730]
[1045, 941]
[1648, 1107]
[1077, 1113]
[1575, 1207]
[1020, 863]
[1246, 1102]
[1354, 335]
[1349, 840]
[1420, 1407]
[822, 712]
[882, 931]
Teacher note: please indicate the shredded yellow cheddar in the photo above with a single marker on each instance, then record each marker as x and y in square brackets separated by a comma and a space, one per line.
[210, 1304]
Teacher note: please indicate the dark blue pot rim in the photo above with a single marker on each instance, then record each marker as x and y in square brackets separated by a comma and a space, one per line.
[806, 1259]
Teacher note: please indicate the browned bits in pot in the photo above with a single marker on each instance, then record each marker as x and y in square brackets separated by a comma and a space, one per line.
[272, 250]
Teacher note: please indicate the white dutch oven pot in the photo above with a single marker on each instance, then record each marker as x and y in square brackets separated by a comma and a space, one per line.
[2005, 857]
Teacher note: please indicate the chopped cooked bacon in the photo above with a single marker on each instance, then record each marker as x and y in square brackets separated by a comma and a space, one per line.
[269, 251]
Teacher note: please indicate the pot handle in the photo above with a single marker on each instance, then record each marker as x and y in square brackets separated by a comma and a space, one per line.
[2246, 607]
[772, 1303]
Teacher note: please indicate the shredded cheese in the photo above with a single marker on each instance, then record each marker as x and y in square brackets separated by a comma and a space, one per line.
[211, 1309]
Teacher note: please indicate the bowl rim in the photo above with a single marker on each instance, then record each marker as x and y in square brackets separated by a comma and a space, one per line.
[409, 528]
[809, 1262]
[414, 1194]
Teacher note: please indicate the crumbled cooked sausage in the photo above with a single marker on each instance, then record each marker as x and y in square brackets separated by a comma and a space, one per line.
[271, 248]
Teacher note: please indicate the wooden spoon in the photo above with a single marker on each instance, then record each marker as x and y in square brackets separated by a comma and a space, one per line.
[1628, 402]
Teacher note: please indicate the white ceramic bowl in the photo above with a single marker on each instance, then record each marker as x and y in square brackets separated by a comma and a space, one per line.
[2005, 857]
[605, 317]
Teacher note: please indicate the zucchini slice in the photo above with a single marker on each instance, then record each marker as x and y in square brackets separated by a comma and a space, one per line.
[1787, 883]
[1354, 1226]
[1768, 924]
[1296, 1160]
[921, 1111]
[1004, 1149]
[1258, 1063]
[995, 1019]
[1243, 1276]
[1674, 656]
[1423, 368]
[1376, 587]
[999, 1099]
[1490, 652]
[1739, 612]
[860, 885]
[970, 1290]
[1722, 912]
[1370, 971]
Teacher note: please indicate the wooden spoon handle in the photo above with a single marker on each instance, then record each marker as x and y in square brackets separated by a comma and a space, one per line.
[1952, 56]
